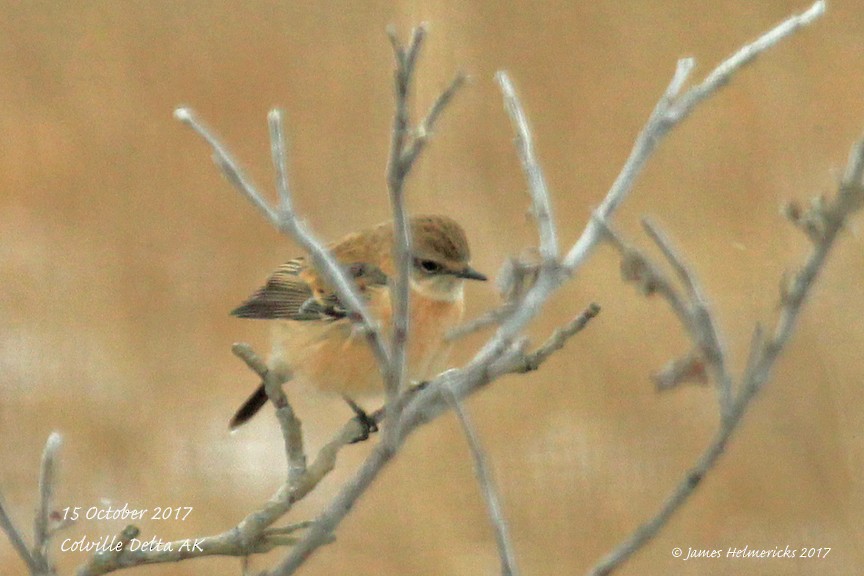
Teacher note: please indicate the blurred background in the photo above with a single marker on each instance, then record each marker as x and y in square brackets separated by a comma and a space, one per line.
[122, 250]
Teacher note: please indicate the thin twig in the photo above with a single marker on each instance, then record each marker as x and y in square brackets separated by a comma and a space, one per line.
[290, 529]
[550, 279]
[849, 199]
[288, 223]
[754, 356]
[671, 110]
[427, 126]
[248, 537]
[541, 200]
[514, 280]
[17, 539]
[402, 157]
[279, 153]
[480, 370]
[723, 73]
[490, 318]
[254, 533]
[405, 60]
[702, 321]
[47, 480]
[337, 509]
[230, 168]
[292, 429]
[763, 357]
[423, 405]
[488, 488]
[642, 535]
[649, 278]
[657, 126]
[558, 339]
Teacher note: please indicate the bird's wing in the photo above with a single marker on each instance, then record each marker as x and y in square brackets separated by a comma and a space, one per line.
[366, 277]
[283, 296]
[289, 295]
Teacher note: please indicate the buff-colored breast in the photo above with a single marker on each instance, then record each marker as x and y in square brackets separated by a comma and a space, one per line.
[335, 357]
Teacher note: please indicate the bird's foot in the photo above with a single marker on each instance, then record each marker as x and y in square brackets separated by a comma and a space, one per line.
[367, 423]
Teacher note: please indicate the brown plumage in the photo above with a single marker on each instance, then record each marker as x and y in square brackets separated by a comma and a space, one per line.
[288, 296]
[316, 343]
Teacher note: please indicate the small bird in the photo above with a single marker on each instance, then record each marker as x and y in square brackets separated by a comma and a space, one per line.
[316, 342]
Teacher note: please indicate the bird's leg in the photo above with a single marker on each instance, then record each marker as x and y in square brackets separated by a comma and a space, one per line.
[368, 424]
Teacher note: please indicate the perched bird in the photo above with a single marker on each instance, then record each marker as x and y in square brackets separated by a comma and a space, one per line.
[313, 339]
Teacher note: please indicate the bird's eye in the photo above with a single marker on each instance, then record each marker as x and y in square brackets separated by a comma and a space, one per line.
[428, 265]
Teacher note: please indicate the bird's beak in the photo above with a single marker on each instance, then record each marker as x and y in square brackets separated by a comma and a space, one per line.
[470, 274]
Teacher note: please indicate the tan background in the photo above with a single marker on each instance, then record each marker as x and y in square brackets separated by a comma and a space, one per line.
[122, 250]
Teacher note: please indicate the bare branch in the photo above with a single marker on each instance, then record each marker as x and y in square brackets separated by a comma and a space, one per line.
[418, 35]
[702, 324]
[405, 60]
[251, 536]
[723, 73]
[490, 492]
[17, 539]
[279, 152]
[855, 166]
[490, 318]
[288, 223]
[228, 543]
[849, 199]
[515, 279]
[558, 338]
[292, 430]
[254, 533]
[550, 276]
[541, 201]
[757, 343]
[427, 126]
[402, 158]
[670, 111]
[657, 126]
[646, 532]
[47, 480]
[338, 508]
[228, 165]
[649, 279]
[763, 356]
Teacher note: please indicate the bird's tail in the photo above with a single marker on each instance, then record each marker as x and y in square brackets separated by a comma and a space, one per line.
[249, 408]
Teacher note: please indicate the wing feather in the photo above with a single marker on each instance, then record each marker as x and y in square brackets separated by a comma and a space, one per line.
[282, 296]
[288, 295]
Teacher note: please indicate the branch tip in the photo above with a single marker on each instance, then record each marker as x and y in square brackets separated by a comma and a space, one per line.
[683, 69]
[183, 114]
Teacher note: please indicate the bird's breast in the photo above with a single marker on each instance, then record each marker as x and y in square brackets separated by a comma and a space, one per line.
[335, 356]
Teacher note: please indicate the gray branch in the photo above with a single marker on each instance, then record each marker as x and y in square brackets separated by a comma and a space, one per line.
[292, 430]
[286, 221]
[490, 492]
[396, 173]
[41, 524]
[670, 111]
[403, 154]
[17, 539]
[763, 356]
[541, 200]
